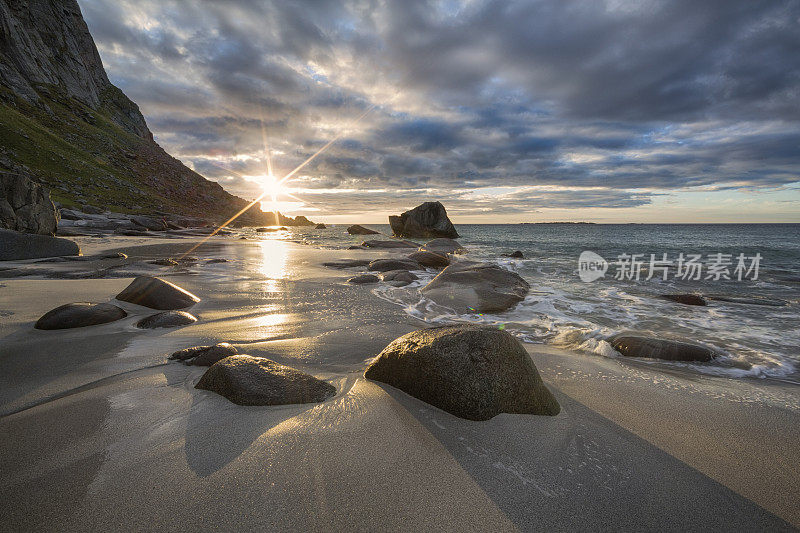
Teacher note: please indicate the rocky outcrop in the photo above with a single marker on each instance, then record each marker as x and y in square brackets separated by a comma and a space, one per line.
[426, 220]
[156, 293]
[443, 246]
[205, 355]
[15, 246]
[247, 380]
[430, 259]
[469, 371]
[384, 265]
[472, 287]
[360, 230]
[363, 279]
[652, 348]
[389, 244]
[65, 124]
[167, 319]
[26, 206]
[79, 315]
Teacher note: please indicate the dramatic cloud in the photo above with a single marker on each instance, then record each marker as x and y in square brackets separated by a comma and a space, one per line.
[500, 109]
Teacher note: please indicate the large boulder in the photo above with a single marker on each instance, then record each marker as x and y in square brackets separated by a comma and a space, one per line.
[652, 348]
[25, 206]
[167, 319]
[15, 246]
[151, 223]
[425, 220]
[430, 259]
[472, 287]
[469, 371]
[205, 355]
[247, 380]
[156, 293]
[79, 315]
[443, 246]
[360, 230]
[384, 265]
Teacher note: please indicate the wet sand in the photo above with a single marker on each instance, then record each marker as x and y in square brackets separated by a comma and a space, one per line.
[99, 432]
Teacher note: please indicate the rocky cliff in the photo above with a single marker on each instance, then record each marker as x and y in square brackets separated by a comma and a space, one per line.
[66, 125]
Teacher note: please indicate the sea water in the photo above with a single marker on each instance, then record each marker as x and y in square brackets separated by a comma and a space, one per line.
[757, 332]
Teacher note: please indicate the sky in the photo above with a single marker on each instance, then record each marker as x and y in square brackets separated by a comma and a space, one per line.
[562, 110]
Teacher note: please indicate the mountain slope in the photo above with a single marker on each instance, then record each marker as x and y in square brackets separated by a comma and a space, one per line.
[65, 124]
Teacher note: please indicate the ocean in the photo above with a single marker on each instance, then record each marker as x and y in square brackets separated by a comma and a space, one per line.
[750, 273]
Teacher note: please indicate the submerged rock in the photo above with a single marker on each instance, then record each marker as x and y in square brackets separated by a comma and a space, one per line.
[360, 230]
[164, 262]
[217, 260]
[384, 265]
[167, 319]
[515, 255]
[686, 299]
[469, 371]
[363, 278]
[430, 259]
[25, 206]
[469, 286]
[426, 220]
[443, 246]
[16, 246]
[157, 294]
[79, 315]
[346, 263]
[247, 380]
[205, 355]
[389, 244]
[652, 348]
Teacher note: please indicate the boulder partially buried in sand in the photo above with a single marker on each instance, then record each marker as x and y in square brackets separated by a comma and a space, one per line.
[384, 265]
[247, 380]
[167, 319]
[426, 220]
[205, 355]
[472, 372]
[156, 293]
[469, 286]
[16, 246]
[443, 246]
[652, 348]
[363, 279]
[360, 230]
[79, 315]
[430, 259]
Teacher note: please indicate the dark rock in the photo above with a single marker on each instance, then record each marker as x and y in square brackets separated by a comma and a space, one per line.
[360, 230]
[443, 246]
[515, 255]
[770, 302]
[157, 294]
[320, 226]
[78, 315]
[346, 263]
[430, 259]
[205, 355]
[25, 206]
[16, 246]
[356, 248]
[469, 371]
[364, 278]
[247, 380]
[133, 232]
[652, 348]
[217, 260]
[425, 220]
[163, 262]
[384, 265]
[389, 244]
[469, 286]
[151, 223]
[687, 299]
[167, 319]
[398, 278]
[92, 210]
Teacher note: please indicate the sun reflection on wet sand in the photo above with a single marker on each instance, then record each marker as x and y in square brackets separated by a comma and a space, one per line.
[273, 260]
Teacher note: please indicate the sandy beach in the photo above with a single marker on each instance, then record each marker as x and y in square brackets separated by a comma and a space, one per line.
[101, 432]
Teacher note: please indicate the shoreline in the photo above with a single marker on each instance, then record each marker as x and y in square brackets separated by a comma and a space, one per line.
[637, 446]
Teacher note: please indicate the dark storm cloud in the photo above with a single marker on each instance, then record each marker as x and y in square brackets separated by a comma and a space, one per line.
[604, 96]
